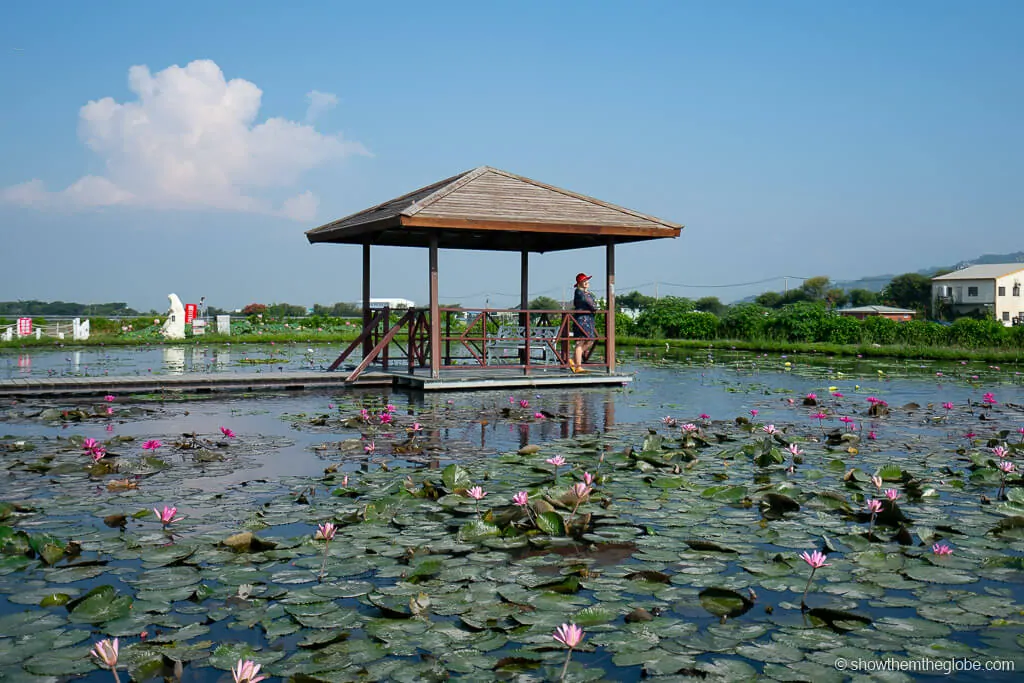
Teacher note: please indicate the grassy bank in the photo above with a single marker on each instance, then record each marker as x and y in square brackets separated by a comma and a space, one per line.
[864, 350]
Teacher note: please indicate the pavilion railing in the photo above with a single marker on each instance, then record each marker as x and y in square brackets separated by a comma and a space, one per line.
[481, 338]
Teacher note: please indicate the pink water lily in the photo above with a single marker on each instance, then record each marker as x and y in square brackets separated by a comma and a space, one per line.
[872, 436]
[569, 635]
[523, 403]
[942, 549]
[110, 411]
[246, 671]
[892, 494]
[109, 398]
[98, 453]
[390, 407]
[522, 499]
[811, 396]
[227, 432]
[324, 532]
[704, 416]
[795, 449]
[1000, 451]
[753, 412]
[947, 405]
[151, 445]
[580, 490]
[689, 428]
[89, 444]
[874, 506]
[106, 651]
[476, 493]
[167, 516]
[588, 478]
[1006, 466]
[556, 462]
[769, 429]
[817, 560]
[989, 399]
[370, 447]
[538, 416]
[364, 414]
[837, 394]
[416, 426]
[385, 418]
[668, 421]
[877, 481]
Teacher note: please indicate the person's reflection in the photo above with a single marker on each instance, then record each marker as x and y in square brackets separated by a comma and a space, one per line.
[582, 418]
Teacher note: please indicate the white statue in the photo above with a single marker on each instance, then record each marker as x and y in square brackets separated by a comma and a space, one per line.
[174, 325]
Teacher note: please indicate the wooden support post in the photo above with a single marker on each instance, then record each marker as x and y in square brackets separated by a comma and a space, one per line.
[609, 332]
[435, 314]
[367, 342]
[524, 304]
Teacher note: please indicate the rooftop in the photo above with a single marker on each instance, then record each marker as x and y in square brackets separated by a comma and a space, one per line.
[877, 309]
[490, 209]
[987, 271]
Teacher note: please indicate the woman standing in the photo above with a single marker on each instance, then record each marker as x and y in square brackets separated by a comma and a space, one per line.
[583, 328]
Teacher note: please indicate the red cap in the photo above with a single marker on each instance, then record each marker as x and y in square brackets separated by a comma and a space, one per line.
[582, 277]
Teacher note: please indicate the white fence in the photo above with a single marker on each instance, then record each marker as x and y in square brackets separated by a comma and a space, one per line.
[77, 329]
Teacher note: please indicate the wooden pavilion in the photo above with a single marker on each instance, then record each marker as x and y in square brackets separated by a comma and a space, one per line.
[493, 210]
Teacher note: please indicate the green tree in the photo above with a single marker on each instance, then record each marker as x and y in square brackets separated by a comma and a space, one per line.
[910, 290]
[769, 299]
[816, 288]
[664, 317]
[544, 303]
[836, 297]
[710, 304]
[863, 297]
[634, 300]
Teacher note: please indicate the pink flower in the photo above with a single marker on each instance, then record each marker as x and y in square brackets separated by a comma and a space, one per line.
[390, 408]
[109, 398]
[989, 399]
[538, 416]
[325, 532]
[569, 635]
[110, 428]
[90, 444]
[245, 671]
[872, 436]
[168, 515]
[344, 482]
[872, 400]
[668, 421]
[524, 403]
[588, 478]
[416, 426]
[753, 412]
[874, 506]
[106, 652]
[512, 400]
[877, 481]
[815, 559]
[705, 416]
[812, 396]
[580, 490]
[110, 411]
[892, 494]
[98, 453]
[385, 418]
[557, 461]
[227, 432]
[942, 549]
[688, 428]
[330, 406]
[522, 499]
[947, 405]
[837, 394]
[364, 414]
[846, 419]
[769, 429]
[151, 445]
[795, 450]
[819, 416]
[938, 374]
[1006, 466]
[970, 435]
[1000, 452]
[476, 493]
[370, 447]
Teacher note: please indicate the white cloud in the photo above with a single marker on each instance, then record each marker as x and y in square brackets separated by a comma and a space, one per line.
[191, 140]
[319, 102]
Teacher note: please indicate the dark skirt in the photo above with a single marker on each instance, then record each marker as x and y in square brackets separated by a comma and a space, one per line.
[586, 322]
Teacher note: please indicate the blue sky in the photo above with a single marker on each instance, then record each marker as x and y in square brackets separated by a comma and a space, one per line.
[790, 138]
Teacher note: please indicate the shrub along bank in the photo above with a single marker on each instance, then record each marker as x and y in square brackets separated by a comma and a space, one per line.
[813, 323]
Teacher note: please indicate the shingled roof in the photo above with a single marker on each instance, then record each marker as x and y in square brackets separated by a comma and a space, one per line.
[491, 209]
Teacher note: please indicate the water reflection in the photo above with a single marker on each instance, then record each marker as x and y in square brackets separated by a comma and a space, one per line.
[173, 360]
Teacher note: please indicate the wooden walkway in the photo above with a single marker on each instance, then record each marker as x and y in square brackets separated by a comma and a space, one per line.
[197, 383]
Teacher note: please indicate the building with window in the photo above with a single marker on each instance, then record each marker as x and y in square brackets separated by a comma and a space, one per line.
[993, 288]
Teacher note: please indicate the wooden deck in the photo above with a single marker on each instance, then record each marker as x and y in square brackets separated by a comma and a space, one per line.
[197, 383]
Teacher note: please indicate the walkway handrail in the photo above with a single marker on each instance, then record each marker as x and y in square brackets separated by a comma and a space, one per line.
[358, 340]
[382, 344]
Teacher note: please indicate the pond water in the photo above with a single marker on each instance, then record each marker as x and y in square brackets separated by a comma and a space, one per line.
[683, 562]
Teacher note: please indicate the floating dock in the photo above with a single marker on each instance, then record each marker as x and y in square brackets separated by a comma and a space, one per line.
[199, 383]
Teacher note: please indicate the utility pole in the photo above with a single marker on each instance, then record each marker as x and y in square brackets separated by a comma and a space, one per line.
[655, 290]
[786, 290]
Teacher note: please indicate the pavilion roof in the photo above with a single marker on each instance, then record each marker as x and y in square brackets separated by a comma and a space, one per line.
[490, 209]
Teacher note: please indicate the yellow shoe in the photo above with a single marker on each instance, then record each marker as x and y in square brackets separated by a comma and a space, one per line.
[572, 367]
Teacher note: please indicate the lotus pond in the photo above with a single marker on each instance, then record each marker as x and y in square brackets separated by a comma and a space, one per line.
[671, 533]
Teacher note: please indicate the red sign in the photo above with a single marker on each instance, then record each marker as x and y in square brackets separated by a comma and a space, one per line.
[190, 312]
[24, 327]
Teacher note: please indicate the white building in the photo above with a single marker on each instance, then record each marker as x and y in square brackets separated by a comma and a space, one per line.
[994, 288]
[392, 303]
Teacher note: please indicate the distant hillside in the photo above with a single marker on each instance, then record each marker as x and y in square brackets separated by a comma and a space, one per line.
[876, 283]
